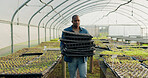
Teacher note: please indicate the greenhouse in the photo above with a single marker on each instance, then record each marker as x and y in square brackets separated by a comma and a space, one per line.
[32, 32]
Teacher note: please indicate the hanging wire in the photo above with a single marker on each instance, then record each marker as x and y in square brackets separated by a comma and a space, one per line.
[51, 7]
[132, 9]
[114, 10]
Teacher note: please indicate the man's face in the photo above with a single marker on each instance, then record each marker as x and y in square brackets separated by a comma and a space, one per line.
[76, 21]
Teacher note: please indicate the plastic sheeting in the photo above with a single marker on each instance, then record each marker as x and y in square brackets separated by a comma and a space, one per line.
[57, 15]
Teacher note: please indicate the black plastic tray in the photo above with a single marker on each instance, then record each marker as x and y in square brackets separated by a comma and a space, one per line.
[75, 50]
[75, 47]
[105, 48]
[83, 48]
[111, 69]
[76, 38]
[77, 55]
[144, 65]
[144, 47]
[141, 62]
[74, 41]
[30, 54]
[105, 42]
[77, 44]
[76, 34]
[35, 75]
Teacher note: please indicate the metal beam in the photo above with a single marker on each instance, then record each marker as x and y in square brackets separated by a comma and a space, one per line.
[31, 20]
[46, 16]
[115, 25]
[73, 8]
[89, 7]
[122, 13]
[113, 3]
[60, 16]
[12, 23]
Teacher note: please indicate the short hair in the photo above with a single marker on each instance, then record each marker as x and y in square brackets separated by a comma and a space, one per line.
[74, 16]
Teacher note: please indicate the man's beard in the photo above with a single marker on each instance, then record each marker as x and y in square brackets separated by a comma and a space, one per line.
[75, 26]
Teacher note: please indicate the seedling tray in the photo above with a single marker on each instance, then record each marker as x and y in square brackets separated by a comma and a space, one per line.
[77, 38]
[78, 45]
[144, 65]
[82, 51]
[77, 55]
[30, 54]
[35, 75]
[67, 33]
[75, 41]
[104, 48]
[114, 72]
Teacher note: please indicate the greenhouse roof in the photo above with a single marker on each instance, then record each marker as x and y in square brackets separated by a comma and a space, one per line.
[28, 20]
[58, 13]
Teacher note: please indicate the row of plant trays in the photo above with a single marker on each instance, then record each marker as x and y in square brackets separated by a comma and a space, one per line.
[125, 66]
[144, 47]
[140, 61]
[140, 58]
[131, 57]
[104, 48]
[31, 75]
[10, 73]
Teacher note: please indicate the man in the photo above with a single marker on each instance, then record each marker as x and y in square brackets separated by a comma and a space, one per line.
[75, 63]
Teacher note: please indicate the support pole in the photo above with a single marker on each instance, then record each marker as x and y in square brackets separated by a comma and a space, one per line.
[38, 26]
[63, 68]
[91, 64]
[12, 23]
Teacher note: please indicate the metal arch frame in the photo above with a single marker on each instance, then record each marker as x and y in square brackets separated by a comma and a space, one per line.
[120, 13]
[108, 10]
[46, 16]
[59, 25]
[58, 21]
[61, 11]
[135, 8]
[71, 9]
[58, 13]
[74, 10]
[127, 10]
[142, 11]
[12, 30]
[130, 18]
[87, 10]
[31, 20]
[50, 31]
[12, 22]
[146, 8]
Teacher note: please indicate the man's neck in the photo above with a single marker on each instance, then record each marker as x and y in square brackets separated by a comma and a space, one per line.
[76, 29]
